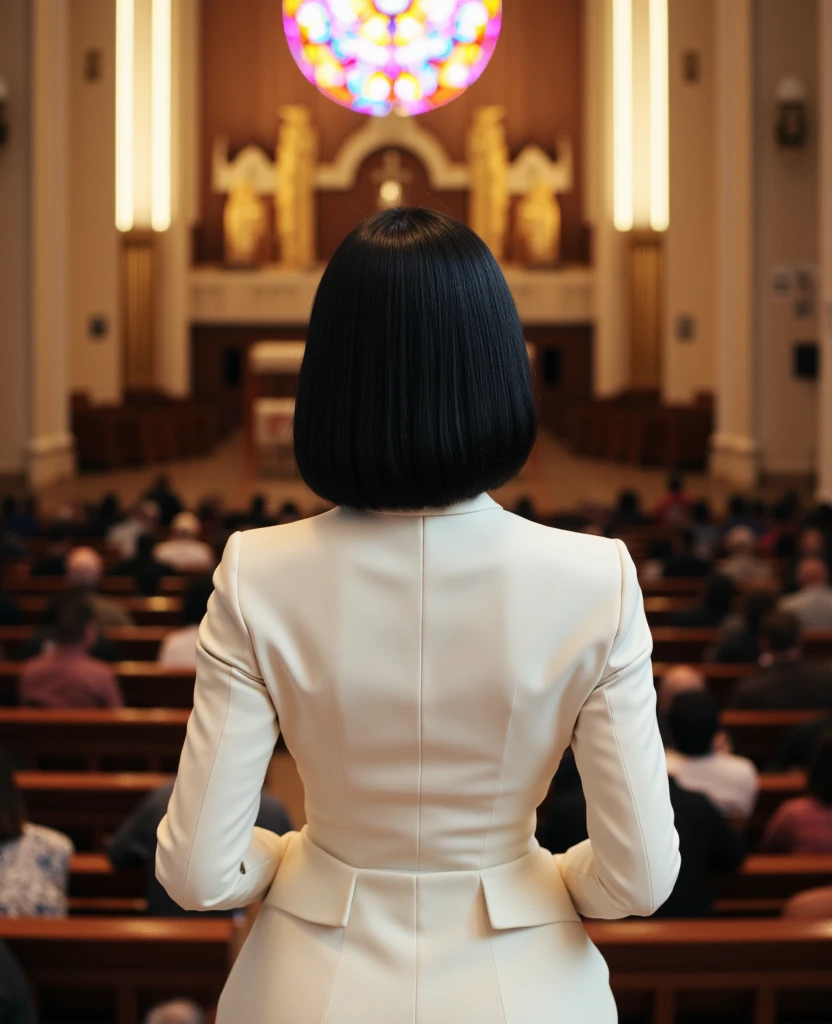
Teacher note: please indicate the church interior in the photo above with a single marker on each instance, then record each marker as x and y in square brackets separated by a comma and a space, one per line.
[655, 179]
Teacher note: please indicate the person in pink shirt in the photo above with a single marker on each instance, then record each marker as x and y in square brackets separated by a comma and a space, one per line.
[804, 824]
[66, 675]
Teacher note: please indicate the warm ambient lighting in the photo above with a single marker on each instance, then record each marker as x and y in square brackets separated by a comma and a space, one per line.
[124, 114]
[622, 74]
[160, 71]
[659, 118]
[380, 56]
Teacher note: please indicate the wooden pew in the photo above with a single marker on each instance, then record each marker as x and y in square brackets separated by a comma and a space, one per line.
[758, 734]
[95, 887]
[662, 609]
[115, 585]
[766, 881]
[136, 643]
[98, 739]
[116, 969]
[675, 644]
[87, 806]
[146, 611]
[145, 684]
[754, 971]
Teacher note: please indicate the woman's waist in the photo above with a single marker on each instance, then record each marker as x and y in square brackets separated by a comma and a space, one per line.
[385, 845]
[317, 886]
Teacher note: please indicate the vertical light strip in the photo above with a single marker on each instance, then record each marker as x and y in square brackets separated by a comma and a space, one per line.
[124, 114]
[160, 72]
[622, 113]
[659, 118]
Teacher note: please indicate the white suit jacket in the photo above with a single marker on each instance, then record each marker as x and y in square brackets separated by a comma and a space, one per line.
[427, 671]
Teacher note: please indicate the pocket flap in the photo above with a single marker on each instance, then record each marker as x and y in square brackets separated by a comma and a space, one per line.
[527, 892]
[312, 885]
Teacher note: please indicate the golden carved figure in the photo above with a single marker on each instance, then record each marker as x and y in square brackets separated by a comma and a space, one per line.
[488, 164]
[296, 159]
[245, 223]
[539, 215]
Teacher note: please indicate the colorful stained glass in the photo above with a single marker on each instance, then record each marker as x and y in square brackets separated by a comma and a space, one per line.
[376, 56]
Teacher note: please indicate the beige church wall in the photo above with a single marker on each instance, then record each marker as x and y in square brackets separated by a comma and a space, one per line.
[689, 366]
[95, 364]
[786, 215]
[14, 238]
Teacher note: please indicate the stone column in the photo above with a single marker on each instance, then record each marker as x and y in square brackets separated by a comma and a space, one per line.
[51, 446]
[824, 123]
[611, 356]
[173, 248]
[734, 449]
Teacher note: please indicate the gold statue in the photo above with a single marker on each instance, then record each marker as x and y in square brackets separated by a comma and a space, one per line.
[245, 223]
[539, 215]
[297, 155]
[488, 164]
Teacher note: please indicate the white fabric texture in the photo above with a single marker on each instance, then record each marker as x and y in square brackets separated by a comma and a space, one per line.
[428, 670]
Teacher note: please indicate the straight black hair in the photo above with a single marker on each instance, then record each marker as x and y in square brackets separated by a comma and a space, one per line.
[416, 387]
[693, 719]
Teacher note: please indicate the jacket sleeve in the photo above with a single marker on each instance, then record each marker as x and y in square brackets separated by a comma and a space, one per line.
[631, 860]
[210, 855]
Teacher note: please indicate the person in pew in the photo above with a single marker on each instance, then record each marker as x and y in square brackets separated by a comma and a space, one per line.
[677, 679]
[804, 824]
[134, 844]
[811, 604]
[697, 762]
[17, 1004]
[147, 571]
[741, 563]
[178, 649]
[165, 499]
[673, 507]
[428, 657]
[628, 512]
[796, 749]
[66, 675]
[84, 571]
[124, 536]
[740, 637]
[34, 860]
[9, 608]
[716, 604]
[683, 562]
[788, 680]
[707, 842]
[53, 560]
[178, 1011]
[185, 551]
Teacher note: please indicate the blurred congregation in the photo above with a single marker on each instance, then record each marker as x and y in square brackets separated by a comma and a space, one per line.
[655, 179]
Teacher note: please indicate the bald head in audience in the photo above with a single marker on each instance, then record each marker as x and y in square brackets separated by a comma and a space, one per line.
[678, 679]
[812, 572]
[84, 568]
[179, 1011]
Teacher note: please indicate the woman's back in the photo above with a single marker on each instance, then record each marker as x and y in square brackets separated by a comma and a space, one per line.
[427, 672]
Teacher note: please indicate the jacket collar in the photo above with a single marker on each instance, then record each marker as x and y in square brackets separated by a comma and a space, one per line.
[479, 504]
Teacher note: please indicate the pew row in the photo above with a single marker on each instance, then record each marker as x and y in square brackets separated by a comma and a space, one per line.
[135, 643]
[754, 971]
[686, 644]
[145, 684]
[661, 971]
[113, 969]
[99, 739]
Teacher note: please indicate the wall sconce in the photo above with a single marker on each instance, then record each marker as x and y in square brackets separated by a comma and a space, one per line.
[4, 111]
[792, 126]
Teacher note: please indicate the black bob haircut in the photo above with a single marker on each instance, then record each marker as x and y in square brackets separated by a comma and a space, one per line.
[416, 387]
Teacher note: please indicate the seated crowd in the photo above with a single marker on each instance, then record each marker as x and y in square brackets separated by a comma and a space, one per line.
[760, 582]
